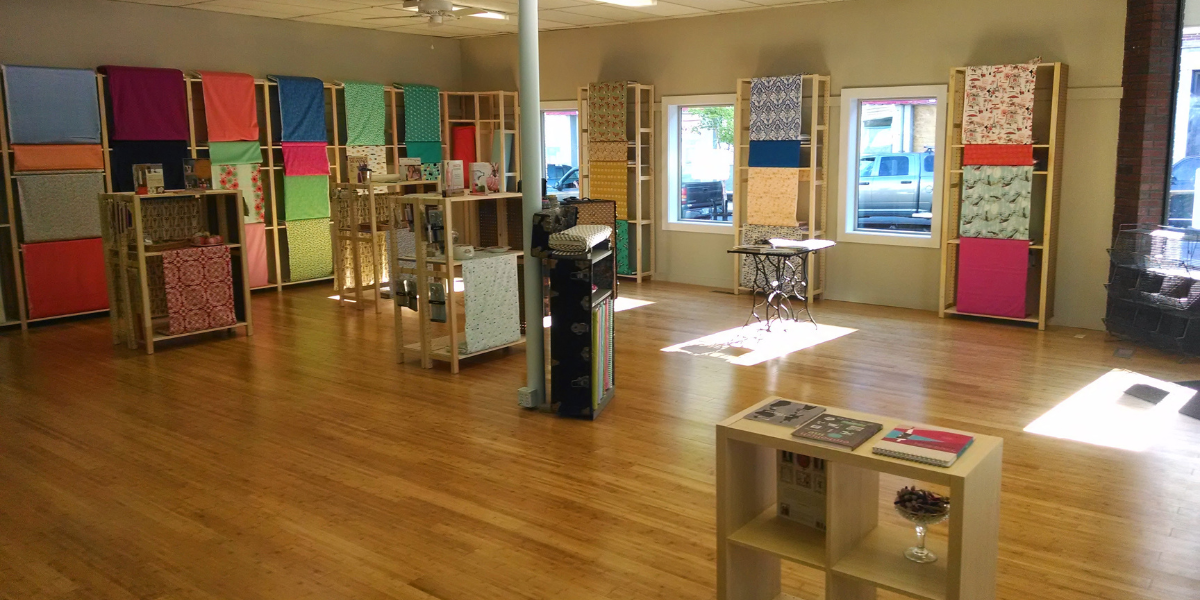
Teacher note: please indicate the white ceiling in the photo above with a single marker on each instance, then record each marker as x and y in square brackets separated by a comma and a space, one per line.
[552, 14]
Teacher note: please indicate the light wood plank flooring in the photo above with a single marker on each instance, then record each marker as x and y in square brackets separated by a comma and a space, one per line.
[303, 462]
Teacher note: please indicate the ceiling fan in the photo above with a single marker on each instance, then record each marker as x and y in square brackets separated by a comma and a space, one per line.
[439, 11]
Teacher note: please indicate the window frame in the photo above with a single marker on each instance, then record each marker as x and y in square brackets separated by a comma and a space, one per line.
[544, 106]
[848, 156]
[671, 156]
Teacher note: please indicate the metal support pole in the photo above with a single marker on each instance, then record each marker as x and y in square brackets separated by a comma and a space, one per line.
[533, 394]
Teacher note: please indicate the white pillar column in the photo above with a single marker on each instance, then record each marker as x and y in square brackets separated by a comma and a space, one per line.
[531, 201]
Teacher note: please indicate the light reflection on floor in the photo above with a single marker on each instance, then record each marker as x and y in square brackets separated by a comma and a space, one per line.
[753, 344]
[1104, 415]
[622, 304]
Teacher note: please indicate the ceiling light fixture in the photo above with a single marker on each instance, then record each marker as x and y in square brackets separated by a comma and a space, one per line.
[490, 15]
[633, 3]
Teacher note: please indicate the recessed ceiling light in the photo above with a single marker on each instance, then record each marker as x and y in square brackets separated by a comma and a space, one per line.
[491, 15]
[632, 2]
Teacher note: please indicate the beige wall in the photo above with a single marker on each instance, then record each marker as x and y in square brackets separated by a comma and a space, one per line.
[866, 43]
[89, 33]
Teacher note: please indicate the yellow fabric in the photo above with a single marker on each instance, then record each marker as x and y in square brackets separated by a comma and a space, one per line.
[771, 196]
[608, 180]
[608, 151]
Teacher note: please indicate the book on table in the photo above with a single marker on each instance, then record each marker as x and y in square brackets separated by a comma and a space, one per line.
[838, 430]
[786, 412]
[929, 446]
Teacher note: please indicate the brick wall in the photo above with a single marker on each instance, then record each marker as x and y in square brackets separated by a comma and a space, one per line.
[1144, 145]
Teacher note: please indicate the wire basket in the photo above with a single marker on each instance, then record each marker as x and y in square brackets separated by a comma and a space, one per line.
[1172, 249]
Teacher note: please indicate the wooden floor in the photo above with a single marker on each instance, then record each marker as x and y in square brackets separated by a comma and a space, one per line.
[303, 462]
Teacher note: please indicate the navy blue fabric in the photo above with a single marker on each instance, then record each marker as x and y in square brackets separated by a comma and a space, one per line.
[302, 108]
[52, 106]
[169, 154]
[775, 153]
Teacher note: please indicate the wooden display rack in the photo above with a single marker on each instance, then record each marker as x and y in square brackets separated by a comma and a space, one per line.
[1049, 128]
[125, 258]
[445, 270]
[856, 552]
[813, 200]
[492, 114]
[640, 131]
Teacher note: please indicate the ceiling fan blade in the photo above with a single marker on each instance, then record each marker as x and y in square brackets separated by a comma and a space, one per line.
[412, 3]
[413, 16]
[468, 11]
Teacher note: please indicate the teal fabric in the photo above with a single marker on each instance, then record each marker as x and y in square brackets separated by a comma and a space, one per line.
[428, 152]
[234, 153]
[422, 113]
[365, 114]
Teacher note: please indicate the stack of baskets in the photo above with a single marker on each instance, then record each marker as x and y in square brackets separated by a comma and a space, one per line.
[1155, 288]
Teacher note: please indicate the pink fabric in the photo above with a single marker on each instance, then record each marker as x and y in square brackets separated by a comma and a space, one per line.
[305, 158]
[256, 254]
[992, 277]
[147, 104]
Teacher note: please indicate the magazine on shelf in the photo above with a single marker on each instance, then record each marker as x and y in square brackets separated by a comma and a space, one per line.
[800, 489]
[786, 412]
[929, 446]
[838, 430]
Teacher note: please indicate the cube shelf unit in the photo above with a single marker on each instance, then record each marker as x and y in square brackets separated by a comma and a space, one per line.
[126, 254]
[492, 114]
[640, 127]
[857, 553]
[1049, 127]
[813, 199]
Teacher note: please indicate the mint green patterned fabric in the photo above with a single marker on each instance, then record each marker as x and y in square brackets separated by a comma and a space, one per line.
[996, 202]
[234, 153]
[422, 113]
[622, 249]
[305, 197]
[310, 249]
[428, 152]
[365, 110]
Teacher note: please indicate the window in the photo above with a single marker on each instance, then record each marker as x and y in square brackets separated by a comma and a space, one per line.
[699, 163]
[560, 148]
[1182, 208]
[894, 135]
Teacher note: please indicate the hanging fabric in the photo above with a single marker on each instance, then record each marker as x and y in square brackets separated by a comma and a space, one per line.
[998, 106]
[366, 113]
[59, 206]
[63, 278]
[51, 106]
[607, 108]
[310, 249]
[170, 154]
[996, 202]
[776, 106]
[492, 309]
[147, 104]
[199, 286]
[58, 157]
[230, 107]
[256, 255]
[992, 277]
[305, 158]
[771, 196]
[422, 113]
[305, 197]
[301, 108]
[247, 179]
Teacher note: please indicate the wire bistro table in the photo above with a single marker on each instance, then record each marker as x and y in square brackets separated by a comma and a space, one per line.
[777, 280]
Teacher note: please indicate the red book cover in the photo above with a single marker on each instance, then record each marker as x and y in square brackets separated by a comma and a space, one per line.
[932, 439]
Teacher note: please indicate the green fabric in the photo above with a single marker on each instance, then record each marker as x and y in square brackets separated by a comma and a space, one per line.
[365, 110]
[428, 152]
[623, 248]
[234, 153]
[422, 113]
[310, 249]
[306, 197]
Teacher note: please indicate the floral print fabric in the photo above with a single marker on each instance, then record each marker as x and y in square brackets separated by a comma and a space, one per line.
[771, 196]
[247, 179]
[996, 202]
[199, 285]
[775, 107]
[998, 105]
[606, 112]
[493, 313]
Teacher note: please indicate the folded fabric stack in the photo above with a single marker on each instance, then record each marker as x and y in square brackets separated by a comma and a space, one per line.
[777, 150]
[579, 239]
[423, 127]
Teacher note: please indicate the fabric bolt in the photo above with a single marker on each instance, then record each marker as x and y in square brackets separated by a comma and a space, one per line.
[776, 105]
[199, 284]
[306, 197]
[608, 151]
[375, 157]
[428, 152]
[169, 154]
[365, 113]
[610, 181]
[597, 212]
[998, 104]
[998, 154]
[247, 179]
[431, 171]
[256, 255]
[493, 313]
[58, 157]
[754, 234]
[51, 106]
[305, 158]
[462, 143]
[579, 239]
[771, 196]
[235, 153]
[63, 278]
[230, 107]
[422, 113]
[775, 153]
[301, 108]
[59, 206]
[310, 249]
[147, 104]
[622, 249]
[607, 112]
[996, 202]
[992, 277]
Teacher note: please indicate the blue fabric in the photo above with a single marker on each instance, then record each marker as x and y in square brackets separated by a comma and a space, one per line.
[428, 152]
[52, 106]
[782, 154]
[301, 108]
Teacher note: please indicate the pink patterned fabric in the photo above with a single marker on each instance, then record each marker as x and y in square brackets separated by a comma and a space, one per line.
[199, 285]
[992, 277]
[305, 158]
[999, 104]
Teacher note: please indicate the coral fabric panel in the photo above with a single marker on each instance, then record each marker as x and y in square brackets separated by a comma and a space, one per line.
[992, 277]
[256, 255]
[147, 104]
[305, 158]
[230, 108]
[301, 108]
[51, 106]
[771, 196]
[1012, 155]
[58, 157]
[462, 144]
[998, 104]
[199, 286]
[63, 278]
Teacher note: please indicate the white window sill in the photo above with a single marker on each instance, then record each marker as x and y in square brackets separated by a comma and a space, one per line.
[698, 227]
[889, 239]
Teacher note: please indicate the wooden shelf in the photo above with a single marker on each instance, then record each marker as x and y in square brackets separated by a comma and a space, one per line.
[954, 311]
[879, 559]
[783, 538]
[440, 348]
[158, 337]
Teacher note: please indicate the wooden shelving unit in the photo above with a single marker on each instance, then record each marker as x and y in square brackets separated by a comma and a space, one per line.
[496, 119]
[125, 230]
[641, 130]
[1049, 128]
[857, 552]
[813, 200]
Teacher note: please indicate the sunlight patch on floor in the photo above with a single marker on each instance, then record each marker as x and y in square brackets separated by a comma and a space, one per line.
[1103, 414]
[753, 344]
[624, 303]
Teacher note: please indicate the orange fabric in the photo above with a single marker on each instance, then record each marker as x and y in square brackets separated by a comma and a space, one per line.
[229, 106]
[57, 157]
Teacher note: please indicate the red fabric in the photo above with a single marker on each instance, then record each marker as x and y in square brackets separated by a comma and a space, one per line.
[63, 278]
[992, 276]
[147, 104]
[462, 143]
[305, 158]
[57, 157]
[230, 108]
[1001, 155]
[199, 286]
[256, 254]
